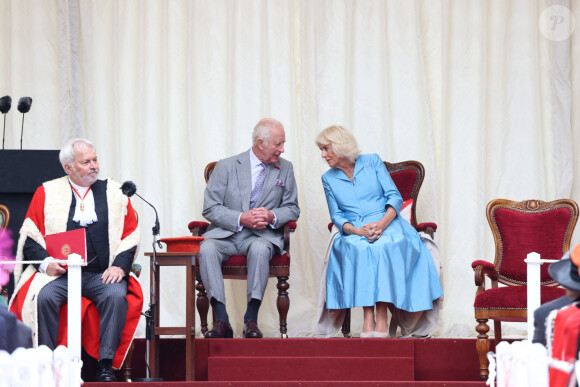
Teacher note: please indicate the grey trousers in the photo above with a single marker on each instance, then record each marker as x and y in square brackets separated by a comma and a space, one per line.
[111, 303]
[214, 252]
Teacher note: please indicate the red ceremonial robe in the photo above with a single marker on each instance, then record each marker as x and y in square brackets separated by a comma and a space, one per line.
[565, 343]
[123, 235]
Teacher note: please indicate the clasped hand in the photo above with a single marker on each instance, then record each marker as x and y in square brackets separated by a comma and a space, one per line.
[256, 218]
[372, 231]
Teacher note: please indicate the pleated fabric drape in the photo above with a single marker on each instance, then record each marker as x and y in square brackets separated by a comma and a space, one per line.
[473, 90]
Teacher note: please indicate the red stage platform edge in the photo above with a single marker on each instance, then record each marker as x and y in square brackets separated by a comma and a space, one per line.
[319, 362]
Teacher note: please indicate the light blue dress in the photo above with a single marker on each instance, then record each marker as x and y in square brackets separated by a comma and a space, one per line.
[397, 268]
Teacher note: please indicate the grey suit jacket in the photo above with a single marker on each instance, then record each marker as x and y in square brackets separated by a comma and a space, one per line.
[228, 191]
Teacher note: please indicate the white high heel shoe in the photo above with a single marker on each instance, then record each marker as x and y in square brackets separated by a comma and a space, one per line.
[381, 335]
[367, 335]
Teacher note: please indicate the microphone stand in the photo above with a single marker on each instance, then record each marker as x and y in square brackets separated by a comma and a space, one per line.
[21, 131]
[4, 133]
[150, 313]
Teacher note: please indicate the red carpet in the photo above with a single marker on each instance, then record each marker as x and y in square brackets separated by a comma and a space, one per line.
[314, 362]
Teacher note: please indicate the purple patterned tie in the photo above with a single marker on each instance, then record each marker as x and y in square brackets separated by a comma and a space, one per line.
[257, 191]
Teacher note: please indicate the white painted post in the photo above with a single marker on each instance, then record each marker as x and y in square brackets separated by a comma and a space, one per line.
[74, 318]
[533, 284]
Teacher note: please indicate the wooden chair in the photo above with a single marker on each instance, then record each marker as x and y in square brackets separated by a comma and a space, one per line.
[518, 228]
[4, 220]
[4, 216]
[408, 176]
[236, 268]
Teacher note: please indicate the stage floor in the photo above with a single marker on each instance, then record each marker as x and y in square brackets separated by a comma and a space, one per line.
[316, 362]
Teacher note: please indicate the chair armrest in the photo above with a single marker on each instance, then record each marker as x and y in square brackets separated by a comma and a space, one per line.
[481, 269]
[197, 228]
[288, 228]
[427, 227]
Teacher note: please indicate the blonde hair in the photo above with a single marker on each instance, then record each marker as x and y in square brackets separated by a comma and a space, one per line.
[343, 142]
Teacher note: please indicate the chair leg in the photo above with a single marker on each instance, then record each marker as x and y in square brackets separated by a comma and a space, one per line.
[482, 345]
[497, 331]
[202, 304]
[283, 304]
[346, 324]
[126, 369]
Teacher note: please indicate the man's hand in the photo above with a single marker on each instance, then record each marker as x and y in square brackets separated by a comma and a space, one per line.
[56, 268]
[113, 274]
[257, 218]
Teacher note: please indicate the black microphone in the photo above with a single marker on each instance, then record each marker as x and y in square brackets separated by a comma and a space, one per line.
[23, 107]
[129, 189]
[5, 104]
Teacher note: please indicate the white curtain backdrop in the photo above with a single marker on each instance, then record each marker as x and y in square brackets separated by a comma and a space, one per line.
[474, 90]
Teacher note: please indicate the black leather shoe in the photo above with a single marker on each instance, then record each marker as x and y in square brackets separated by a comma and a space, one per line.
[105, 374]
[251, 330]
[220, 330]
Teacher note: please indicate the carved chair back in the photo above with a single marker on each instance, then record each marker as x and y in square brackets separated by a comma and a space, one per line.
[529, 226]
[4, 216]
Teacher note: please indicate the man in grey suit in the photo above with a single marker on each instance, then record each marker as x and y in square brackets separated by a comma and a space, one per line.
[248, 199]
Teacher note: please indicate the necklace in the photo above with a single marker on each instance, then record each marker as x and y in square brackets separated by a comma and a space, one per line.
[81, 198]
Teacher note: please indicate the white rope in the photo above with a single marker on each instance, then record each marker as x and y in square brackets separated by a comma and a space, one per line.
[39, 262]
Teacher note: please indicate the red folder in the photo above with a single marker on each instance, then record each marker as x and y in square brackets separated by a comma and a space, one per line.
[61, 245]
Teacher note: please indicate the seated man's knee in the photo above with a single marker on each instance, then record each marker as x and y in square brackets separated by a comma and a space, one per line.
[48, 300]
[261, 249]
[116, 293]
[206, 248]
[208, 251]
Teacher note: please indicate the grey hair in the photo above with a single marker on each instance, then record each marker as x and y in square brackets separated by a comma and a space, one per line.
[67, 153]
[343, 142]
[263, 130]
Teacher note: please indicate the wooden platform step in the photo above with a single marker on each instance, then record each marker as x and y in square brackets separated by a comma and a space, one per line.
[435, 362]
[311, 347]
[311, 368]
[273, 383]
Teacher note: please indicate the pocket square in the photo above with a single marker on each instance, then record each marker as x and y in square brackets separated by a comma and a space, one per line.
[280, 183]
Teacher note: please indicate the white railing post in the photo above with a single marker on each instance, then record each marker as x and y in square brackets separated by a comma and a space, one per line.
[74, 318]
[75, 364]
[533, 281]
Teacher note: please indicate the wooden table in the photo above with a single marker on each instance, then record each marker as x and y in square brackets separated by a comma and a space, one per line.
[175, 259]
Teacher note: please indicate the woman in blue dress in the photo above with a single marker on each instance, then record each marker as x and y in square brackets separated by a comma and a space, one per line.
[377, 258]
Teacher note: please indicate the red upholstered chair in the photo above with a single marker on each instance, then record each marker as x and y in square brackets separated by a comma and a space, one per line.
[4, 220]
[236, 268]
[408, 177]
[4, 216]
[519, 228]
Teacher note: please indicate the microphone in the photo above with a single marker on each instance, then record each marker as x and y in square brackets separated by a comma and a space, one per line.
[23, 107]
[5, 104]
[129, 189]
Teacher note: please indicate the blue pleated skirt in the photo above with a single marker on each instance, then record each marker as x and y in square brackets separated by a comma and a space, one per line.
[397, 268]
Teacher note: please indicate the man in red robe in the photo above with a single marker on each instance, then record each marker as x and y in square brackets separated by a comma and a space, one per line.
[81, 200]
[564, 324]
